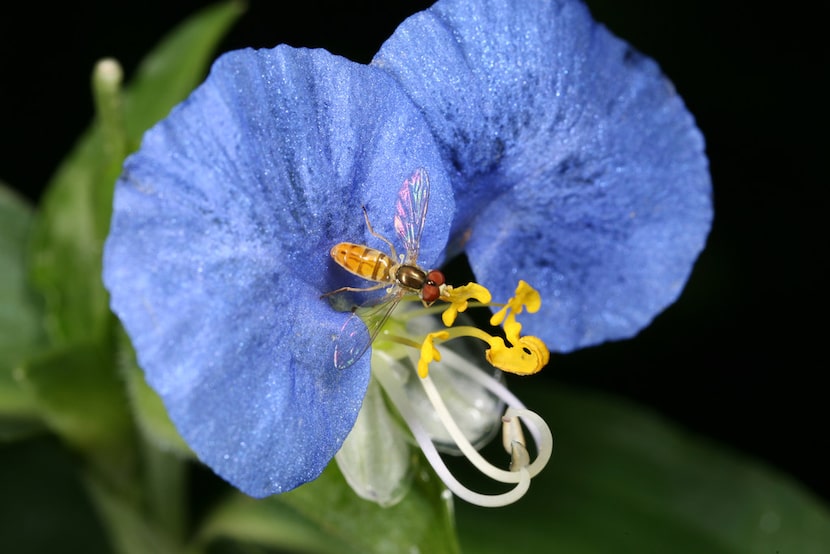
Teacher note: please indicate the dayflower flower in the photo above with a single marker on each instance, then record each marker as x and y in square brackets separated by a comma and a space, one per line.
[574, 163]
[556, 155]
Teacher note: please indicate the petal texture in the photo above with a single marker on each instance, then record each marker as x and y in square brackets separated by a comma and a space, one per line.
[575, 164]
[218, 252]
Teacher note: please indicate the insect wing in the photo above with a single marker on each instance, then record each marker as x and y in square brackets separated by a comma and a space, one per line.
[360, 330]
[411, 212]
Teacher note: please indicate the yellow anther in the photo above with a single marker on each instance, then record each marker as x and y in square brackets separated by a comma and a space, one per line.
[527, 356]
[459, 298]
[512, 329]
[520, 355]
[429, 352]
[529, 297]
[526, 297]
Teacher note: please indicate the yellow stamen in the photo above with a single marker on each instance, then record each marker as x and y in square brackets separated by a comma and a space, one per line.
[429, 352]
[459, 297]
[525, 297]
[527, 356]
[519, 355]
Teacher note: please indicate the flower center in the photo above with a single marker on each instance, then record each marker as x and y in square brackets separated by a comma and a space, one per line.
[460, 409]
[520, 355]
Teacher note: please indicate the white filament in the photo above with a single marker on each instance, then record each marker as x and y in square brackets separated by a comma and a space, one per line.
[472, 371]
[476, 410]
[520, 473]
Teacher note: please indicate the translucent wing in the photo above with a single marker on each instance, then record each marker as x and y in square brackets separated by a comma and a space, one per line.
[361, 329]
[411, 212]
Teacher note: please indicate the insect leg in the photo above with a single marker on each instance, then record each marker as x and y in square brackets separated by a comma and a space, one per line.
[381, 237]
[355, 289]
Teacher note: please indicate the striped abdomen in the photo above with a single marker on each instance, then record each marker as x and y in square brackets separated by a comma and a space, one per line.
[364, 262]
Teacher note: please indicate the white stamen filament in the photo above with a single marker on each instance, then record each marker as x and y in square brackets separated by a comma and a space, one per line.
[539, 430]
[521, 471]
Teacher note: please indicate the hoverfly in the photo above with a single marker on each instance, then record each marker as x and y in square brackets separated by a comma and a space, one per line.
[401, 275]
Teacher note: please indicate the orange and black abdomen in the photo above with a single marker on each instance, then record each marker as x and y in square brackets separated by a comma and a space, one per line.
[363, 261]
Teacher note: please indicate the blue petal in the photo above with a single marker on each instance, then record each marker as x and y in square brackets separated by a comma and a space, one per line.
[576, 165]
[218, 252]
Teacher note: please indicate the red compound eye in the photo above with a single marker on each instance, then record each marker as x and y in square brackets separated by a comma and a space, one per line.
[430, 293]
[436, 277]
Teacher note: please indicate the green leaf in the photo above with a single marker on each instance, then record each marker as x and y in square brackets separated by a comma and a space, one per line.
[72, 223]
[130, 531]
[20, 317]
[20, 331]
[82, 400]
[623, 480]
[14, 427]
[268, 522]
[164, 455]
[168, 74]
[327, 516]
[44, 506]
[147, 408]
[66, 249]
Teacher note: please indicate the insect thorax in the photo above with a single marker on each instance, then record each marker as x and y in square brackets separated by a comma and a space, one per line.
[411, 277]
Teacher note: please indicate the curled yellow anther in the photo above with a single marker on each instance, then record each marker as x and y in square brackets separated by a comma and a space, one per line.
[429, 352]
[459, 298]
[527, 356]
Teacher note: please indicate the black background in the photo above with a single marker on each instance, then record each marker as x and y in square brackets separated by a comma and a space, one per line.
[739, 357]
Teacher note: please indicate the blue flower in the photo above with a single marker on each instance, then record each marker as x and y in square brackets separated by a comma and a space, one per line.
[574, 162]
[218, 252]
[555, 154]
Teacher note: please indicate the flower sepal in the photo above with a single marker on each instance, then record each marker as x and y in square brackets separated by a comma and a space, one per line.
[376, 457]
